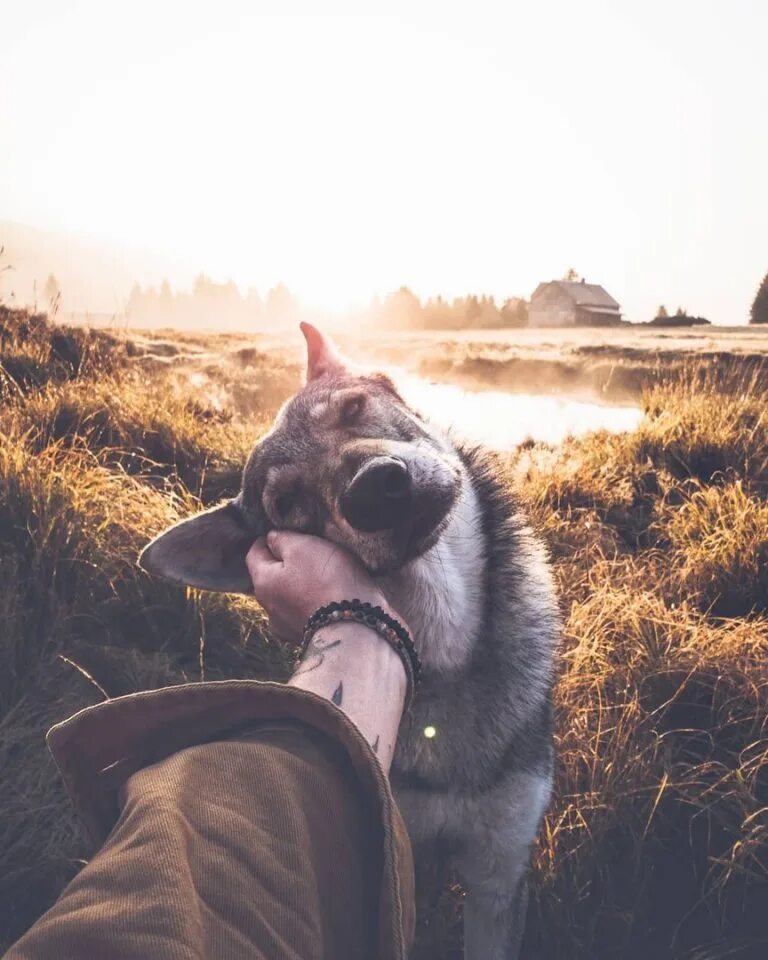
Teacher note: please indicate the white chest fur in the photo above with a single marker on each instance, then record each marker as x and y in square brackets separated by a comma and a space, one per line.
[441, 593]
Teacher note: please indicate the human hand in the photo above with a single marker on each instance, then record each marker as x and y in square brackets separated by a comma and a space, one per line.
[293, 574]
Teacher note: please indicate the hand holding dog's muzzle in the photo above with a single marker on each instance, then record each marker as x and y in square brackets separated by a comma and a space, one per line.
[294, 574]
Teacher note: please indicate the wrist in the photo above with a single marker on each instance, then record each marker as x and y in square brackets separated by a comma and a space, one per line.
[371, 617]
[354, 667]
[359, 642]
[353, 651]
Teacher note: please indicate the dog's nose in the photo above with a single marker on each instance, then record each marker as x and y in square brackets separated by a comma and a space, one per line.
[379, 496]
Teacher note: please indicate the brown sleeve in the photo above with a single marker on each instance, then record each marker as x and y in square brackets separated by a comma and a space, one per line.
[243, 820]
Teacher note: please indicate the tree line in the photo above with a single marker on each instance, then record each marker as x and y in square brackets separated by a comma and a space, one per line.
[403, 309]
[209, 304]
[212, 304]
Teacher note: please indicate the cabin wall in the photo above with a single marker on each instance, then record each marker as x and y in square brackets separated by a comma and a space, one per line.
[551, 308]
[587, 318]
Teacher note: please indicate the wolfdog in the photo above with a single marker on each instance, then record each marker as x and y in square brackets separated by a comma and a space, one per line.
[349, 460]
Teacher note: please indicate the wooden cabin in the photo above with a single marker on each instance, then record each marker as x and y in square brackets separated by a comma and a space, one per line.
[566, 303]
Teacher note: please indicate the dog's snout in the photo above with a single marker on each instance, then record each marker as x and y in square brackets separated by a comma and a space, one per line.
[378, 495]
[393, 479]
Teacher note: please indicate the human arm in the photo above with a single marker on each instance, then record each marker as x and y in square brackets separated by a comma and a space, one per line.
[347, 663]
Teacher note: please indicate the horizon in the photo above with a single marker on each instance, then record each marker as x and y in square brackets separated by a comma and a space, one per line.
[346, 155]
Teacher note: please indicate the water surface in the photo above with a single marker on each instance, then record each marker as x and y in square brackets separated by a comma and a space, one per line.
[504, 420]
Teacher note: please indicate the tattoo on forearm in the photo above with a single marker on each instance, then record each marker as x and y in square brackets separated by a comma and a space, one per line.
[376, 744]
[338, 694]
[322, 642]
[315, 655]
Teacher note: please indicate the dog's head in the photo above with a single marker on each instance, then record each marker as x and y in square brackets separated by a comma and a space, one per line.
[346, 459]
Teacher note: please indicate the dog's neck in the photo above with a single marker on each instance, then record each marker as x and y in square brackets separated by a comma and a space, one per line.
[440, 594]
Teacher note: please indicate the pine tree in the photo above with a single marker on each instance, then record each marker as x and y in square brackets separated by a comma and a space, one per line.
[51, 289]
[759, 312]
[166, 294]
[662, 312]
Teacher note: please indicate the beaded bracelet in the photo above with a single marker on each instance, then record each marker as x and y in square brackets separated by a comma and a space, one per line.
[391, 630]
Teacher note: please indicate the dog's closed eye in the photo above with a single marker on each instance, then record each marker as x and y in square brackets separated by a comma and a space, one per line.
[351, 410]
[284, 503]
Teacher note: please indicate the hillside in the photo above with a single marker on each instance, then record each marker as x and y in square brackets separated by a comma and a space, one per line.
[655, 845]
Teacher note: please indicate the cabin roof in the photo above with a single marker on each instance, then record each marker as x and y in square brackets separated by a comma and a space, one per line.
[582, 294]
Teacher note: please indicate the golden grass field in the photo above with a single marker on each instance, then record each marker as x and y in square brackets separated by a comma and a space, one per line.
[656, 845]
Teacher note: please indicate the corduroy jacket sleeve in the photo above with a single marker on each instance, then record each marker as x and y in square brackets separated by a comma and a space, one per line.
[276, 773]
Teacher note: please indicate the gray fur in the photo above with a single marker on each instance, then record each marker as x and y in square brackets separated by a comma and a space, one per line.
[481, 785]
[474, 584]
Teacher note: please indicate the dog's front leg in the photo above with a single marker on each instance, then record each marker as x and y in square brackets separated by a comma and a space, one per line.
[495, 907]
[493, 865]
[494, 924]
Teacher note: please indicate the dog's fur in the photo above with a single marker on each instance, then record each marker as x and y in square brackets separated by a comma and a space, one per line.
[464, 569]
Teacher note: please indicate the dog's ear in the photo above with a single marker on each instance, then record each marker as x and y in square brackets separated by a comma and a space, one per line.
[207, 551]
[323, 359]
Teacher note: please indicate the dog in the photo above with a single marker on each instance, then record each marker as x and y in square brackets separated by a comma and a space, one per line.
[347, 459]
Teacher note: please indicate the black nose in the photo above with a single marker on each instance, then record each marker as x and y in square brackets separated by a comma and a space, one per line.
[379, 496]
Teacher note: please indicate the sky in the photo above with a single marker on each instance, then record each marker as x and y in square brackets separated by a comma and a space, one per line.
[346, 149]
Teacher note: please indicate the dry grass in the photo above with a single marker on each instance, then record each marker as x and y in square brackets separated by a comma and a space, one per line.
[718, 549]
[655, 845]
[716, 427]
[34, 351]
[147, 427]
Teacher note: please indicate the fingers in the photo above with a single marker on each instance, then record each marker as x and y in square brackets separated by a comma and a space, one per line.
[284, 544]
[276, 542]
[259, 560]
[268, 555]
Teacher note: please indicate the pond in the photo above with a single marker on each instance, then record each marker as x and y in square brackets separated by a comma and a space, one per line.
[503, 420]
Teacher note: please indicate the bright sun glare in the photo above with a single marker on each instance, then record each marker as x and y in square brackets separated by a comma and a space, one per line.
[351, 151]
